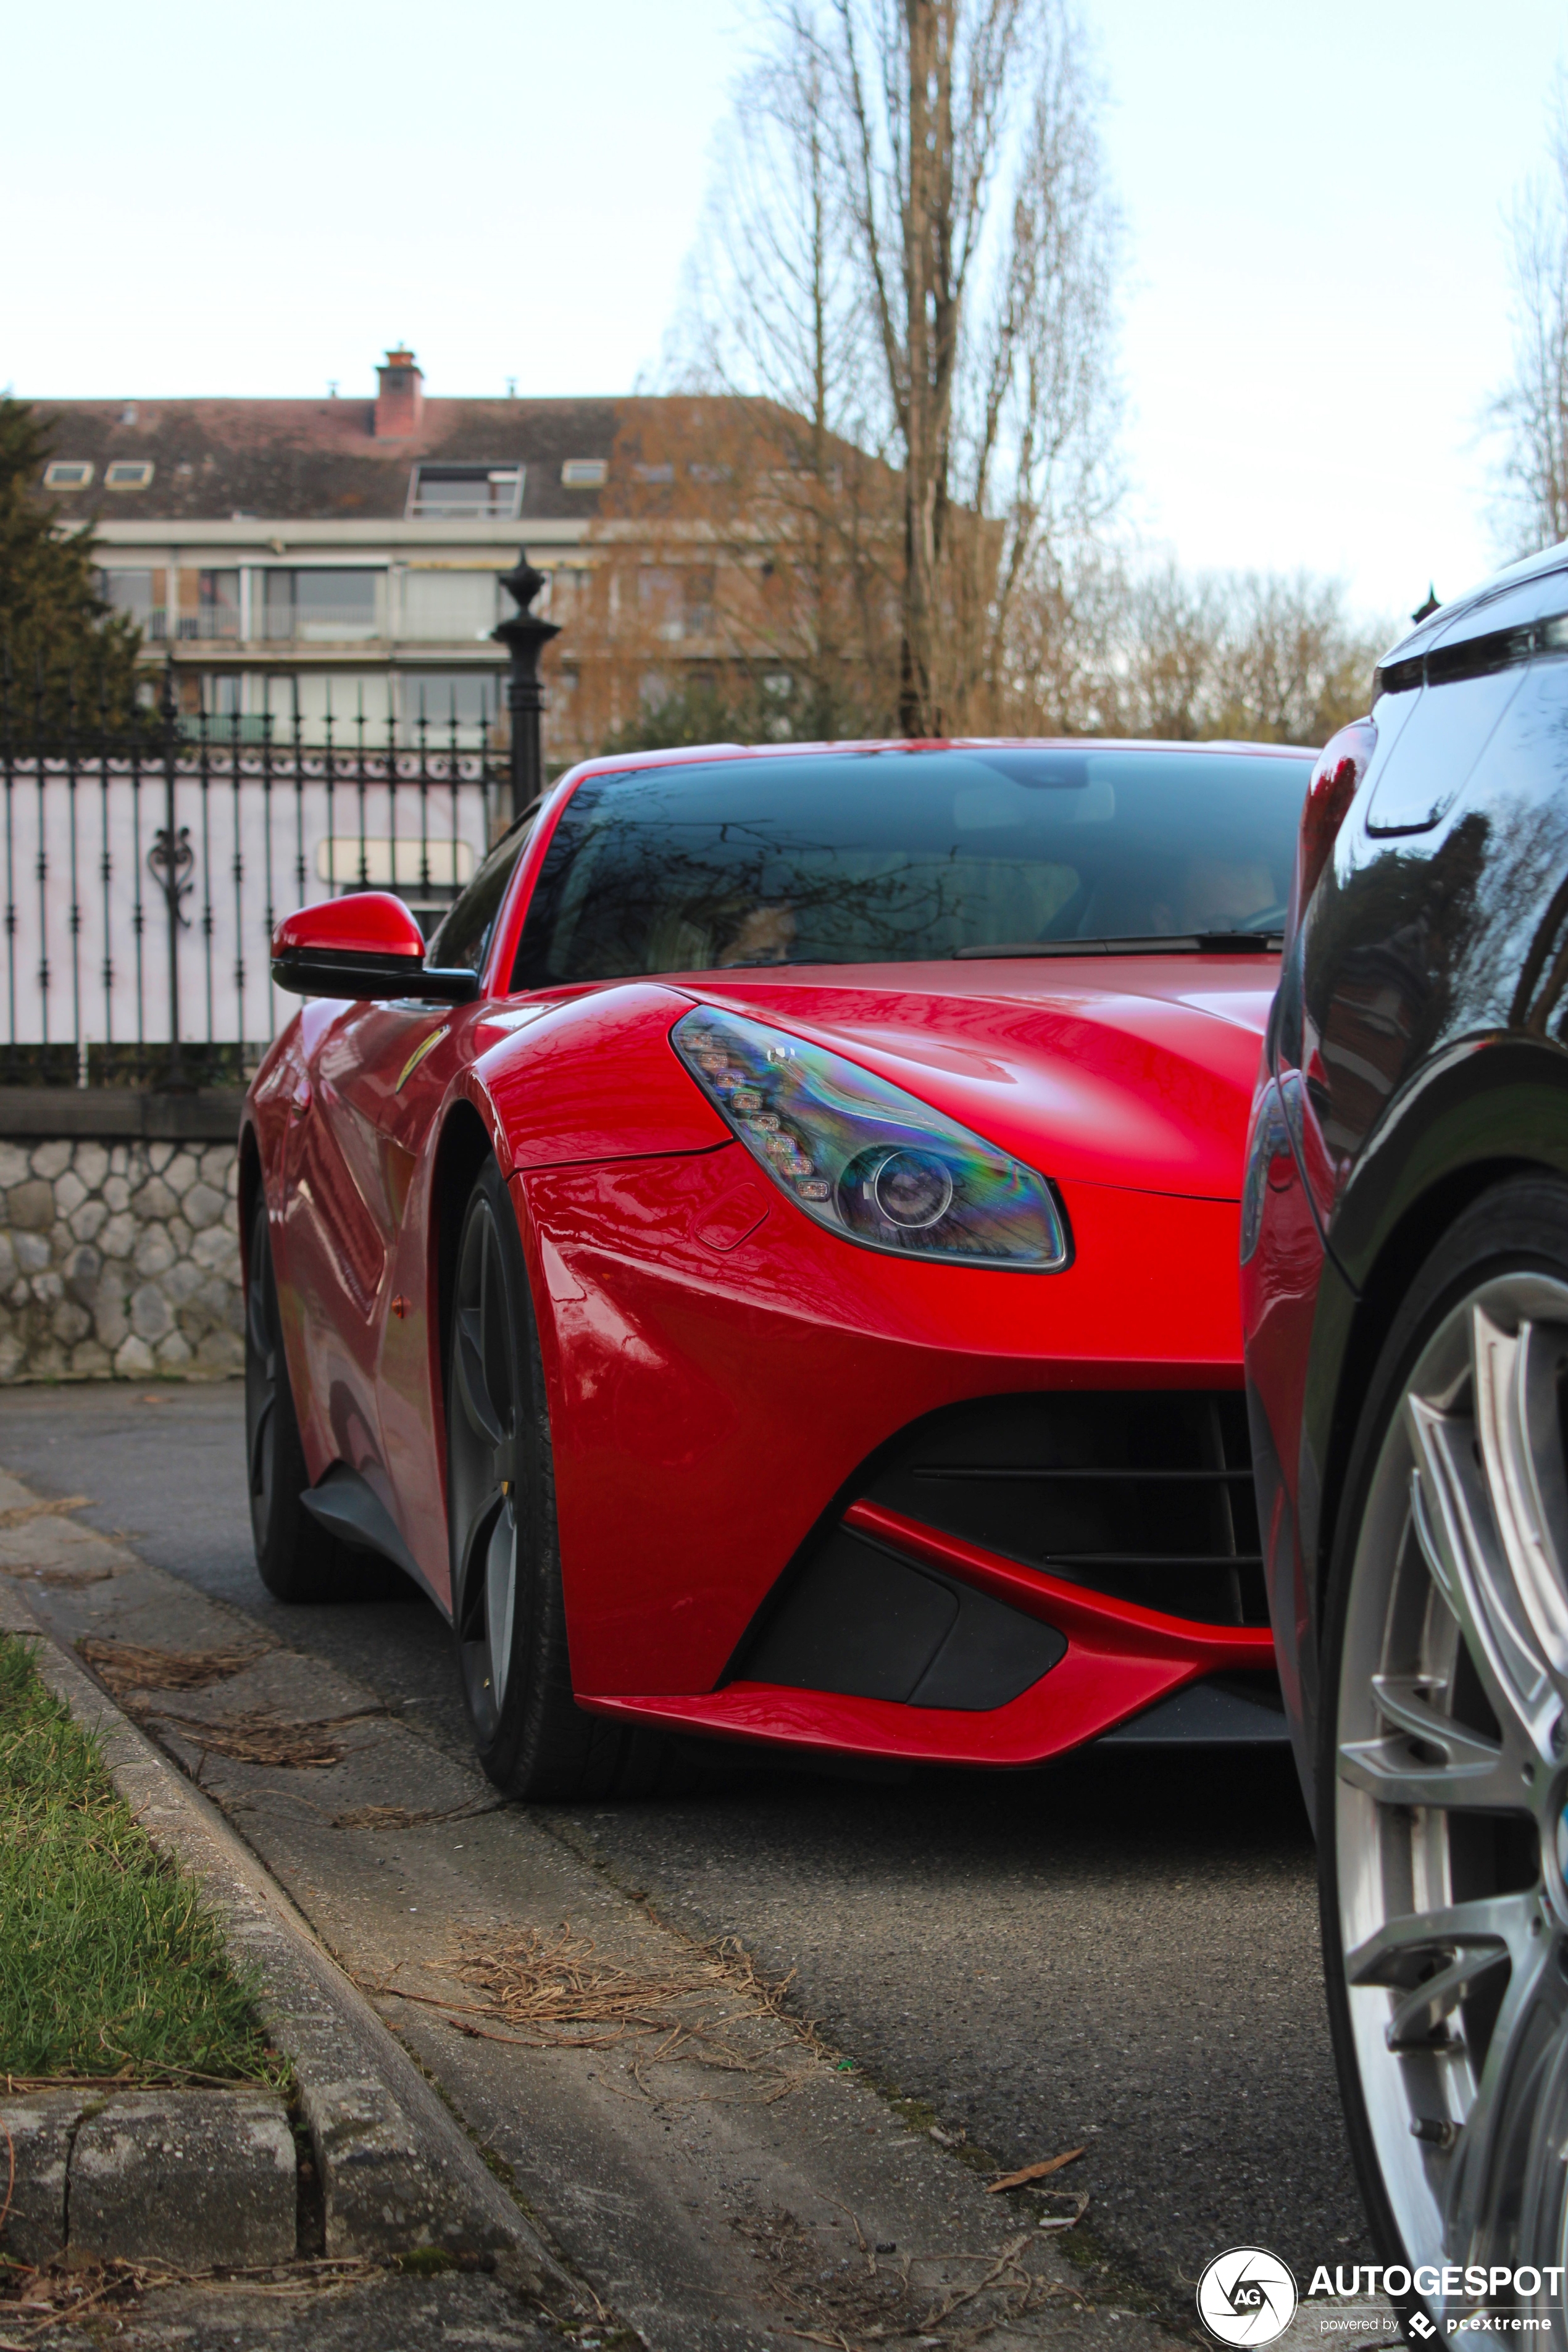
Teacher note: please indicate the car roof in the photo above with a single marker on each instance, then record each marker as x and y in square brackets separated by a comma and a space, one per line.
[1520, 593]
[686, 754]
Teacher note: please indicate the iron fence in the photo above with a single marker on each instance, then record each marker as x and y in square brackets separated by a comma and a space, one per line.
[146, 865]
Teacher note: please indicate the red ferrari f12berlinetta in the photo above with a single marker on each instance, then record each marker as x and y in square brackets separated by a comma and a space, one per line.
[768, 1267]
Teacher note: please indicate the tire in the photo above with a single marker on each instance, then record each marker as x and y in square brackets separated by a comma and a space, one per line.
[297, 1560]
[1443, 1825]
[509, 1612]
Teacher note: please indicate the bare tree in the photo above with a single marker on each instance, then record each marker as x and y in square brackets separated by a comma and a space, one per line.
[774, 318]
[973, 170]
[911, 240]
[1184, 656]
[1532, 411]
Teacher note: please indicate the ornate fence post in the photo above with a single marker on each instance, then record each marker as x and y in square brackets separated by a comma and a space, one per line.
[170, 860]
[525, 636]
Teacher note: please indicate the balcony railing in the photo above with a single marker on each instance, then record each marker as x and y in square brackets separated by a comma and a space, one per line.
[319, 624]
[215, 621]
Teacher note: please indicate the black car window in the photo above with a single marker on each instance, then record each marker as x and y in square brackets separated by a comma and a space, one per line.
[886, 856]
[463, 935]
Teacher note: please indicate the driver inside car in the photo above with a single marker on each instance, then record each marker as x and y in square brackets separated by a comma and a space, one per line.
[766, 935]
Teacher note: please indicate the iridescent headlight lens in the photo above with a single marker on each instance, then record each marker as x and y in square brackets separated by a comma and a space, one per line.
[863, 1157]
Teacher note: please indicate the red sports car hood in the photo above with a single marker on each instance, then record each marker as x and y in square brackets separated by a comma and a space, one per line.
[1129, 1070]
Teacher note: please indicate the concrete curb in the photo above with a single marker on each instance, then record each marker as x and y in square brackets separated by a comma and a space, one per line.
[396, 2171]
[188, 2178]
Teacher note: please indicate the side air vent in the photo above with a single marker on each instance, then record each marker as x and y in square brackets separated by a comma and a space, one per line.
[1145, 1495]
[858, 1620]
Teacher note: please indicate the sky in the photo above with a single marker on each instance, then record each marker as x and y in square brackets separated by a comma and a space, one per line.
[1314, 310]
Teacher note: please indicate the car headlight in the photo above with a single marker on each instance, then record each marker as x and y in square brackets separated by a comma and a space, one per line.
[866, 1159]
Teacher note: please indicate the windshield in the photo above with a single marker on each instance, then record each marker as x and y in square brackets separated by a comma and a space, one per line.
[892, 857]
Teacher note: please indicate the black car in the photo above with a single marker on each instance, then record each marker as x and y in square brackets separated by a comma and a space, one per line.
[1405, 1283]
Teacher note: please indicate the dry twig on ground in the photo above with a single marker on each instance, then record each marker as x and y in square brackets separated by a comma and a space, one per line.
[20, 1512]
[258, 1737]
[403, 1817]
[69, 1580]
[558, 1992]
[128, 1666]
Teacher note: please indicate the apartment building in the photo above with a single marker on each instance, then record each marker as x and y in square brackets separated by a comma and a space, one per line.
[334, 561]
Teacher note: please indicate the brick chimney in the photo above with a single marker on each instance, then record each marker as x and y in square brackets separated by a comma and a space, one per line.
[400, 397]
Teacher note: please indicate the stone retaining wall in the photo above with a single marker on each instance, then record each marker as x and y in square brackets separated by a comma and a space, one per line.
[118, 1259]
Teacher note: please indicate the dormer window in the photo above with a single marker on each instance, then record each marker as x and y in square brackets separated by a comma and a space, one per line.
[67, 474]
[465, 493]
[585, 473]
[128, 474]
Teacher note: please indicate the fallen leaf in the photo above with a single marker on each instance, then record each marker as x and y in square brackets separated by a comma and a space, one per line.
[1032, 2172]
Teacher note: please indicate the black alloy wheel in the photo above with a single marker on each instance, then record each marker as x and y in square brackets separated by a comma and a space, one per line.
[509, 1608]
[1443, 1769]
[296, 1559]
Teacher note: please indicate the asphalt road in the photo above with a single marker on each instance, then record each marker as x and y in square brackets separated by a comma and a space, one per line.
[1116, 1952]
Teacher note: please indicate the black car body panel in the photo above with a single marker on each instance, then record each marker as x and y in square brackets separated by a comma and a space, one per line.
[1418, 1048]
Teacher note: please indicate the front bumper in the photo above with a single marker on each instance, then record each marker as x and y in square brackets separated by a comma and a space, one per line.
[722, 1373]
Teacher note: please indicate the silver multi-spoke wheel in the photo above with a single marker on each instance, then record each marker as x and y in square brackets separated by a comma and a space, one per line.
[483, 1466]
[1449, 1830]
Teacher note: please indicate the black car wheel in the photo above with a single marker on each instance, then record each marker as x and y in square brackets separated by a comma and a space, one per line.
[509, 1609]
[1444, 1770]
[296, 1559]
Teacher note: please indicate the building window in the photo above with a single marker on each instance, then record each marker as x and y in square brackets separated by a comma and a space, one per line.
[661, 601]
[212, 707]
[699, 601]
[131, 592]
[318, 606]
[319, 707]
[449, 608]
[67, 474]
[661, 473]
[128, 474]
[459, 492]
[215, 614]
[467, 700]
[585, 473]
[570, 585]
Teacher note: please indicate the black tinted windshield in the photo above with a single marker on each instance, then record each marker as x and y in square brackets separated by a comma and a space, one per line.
[889, 856]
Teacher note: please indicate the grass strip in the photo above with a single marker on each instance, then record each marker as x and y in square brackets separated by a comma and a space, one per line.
[110, 1963]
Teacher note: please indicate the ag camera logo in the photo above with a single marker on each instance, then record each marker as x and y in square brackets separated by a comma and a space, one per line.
[1247, 2297]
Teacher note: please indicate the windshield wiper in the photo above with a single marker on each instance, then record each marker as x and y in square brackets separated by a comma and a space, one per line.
[764, 963]
[1174, 943]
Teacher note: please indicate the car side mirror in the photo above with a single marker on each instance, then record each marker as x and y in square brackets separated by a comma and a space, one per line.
[366, 945]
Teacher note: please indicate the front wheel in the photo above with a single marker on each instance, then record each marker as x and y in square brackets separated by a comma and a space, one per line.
[1443, 1778]
[509, 1608]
